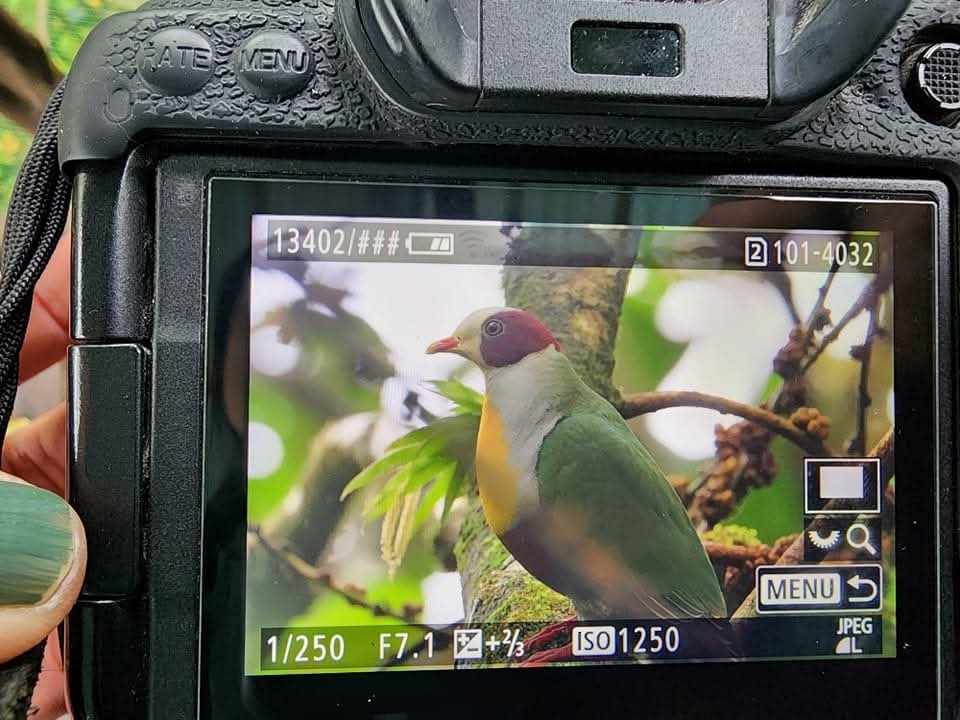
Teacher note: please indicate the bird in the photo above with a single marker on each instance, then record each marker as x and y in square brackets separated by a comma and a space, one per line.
[569, 489]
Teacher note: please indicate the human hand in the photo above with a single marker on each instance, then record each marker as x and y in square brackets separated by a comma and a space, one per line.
[42, 547]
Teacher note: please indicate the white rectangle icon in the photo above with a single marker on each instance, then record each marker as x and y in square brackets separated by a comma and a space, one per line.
[597, 641]
[841, 482]
[812, 589]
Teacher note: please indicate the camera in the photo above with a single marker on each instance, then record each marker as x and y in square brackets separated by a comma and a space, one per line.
[564, 343]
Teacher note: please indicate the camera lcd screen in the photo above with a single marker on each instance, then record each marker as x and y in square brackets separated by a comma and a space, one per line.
[531, 427]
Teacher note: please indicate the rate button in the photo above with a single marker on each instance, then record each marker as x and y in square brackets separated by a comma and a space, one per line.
[799, 589]
[177, 61]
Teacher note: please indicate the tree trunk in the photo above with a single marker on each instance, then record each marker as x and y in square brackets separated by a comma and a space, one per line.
[27, 75]
[581, 306]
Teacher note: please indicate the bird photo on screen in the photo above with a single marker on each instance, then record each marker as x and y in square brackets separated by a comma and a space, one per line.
[567, 486]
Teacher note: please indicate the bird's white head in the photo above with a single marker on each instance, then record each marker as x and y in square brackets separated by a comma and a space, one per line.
[494, 338]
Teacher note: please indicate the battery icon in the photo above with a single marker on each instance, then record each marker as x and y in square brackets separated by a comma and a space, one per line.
[426, 243]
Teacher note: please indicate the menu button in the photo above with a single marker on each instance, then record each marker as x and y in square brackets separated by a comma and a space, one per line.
[274, 65]
[804, 589]
[824, 588]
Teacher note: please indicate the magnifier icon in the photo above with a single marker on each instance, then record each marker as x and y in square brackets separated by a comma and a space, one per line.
[858, 537]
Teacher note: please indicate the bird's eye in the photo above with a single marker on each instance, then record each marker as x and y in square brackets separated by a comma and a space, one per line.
[492, 328]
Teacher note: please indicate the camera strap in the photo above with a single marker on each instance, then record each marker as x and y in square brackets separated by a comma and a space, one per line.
[35, 220]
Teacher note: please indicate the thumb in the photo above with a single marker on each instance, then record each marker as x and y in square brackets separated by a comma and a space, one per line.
[43, 556]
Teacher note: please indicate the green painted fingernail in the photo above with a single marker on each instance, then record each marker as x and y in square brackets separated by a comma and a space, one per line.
[36, 543]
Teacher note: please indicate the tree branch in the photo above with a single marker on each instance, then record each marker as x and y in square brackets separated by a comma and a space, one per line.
[27, 74]
[743, 460]
[736, 554]
[786, 291]
[819, 315]
[866, 298]
[643, 403]
[315, 575]
[884, 449]
[862, 353]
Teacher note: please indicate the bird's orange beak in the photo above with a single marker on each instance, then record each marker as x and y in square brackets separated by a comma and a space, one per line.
[447, 344]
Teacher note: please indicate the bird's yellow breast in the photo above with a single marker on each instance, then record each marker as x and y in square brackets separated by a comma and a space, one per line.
[497, 478]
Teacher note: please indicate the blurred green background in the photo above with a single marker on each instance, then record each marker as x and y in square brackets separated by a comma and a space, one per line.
[59, 26]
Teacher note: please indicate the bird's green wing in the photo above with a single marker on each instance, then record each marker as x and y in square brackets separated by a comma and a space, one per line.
[595, 476]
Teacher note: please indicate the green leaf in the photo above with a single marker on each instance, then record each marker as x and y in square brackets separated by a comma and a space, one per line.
[390, 493]
[467, 399]
[437, 491]
[440, 455]
[453, 492]
[460, 434]
[422, 474]
[414, 437]
[409, 478]
[390, 461]
[450, 438]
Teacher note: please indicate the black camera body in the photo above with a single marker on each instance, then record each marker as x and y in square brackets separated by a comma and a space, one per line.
[184, 122]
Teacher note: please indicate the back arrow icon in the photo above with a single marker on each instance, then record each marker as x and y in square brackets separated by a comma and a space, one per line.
[856, 582]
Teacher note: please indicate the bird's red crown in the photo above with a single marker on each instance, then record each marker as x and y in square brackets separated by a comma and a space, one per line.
[508, 336]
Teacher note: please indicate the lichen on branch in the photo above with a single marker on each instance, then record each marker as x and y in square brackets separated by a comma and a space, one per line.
[496, 588]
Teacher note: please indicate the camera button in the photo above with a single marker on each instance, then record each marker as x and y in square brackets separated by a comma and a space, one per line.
[274, 65]
[176, 61]
[107, 408]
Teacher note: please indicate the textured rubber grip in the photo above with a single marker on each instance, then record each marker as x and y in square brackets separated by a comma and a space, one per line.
[109, 104]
